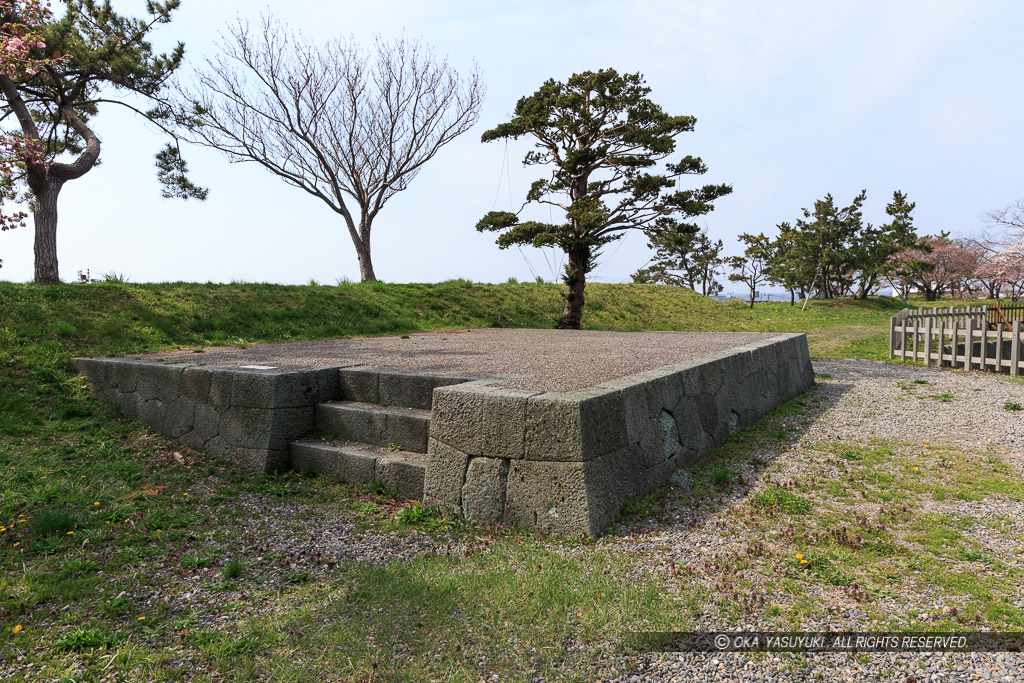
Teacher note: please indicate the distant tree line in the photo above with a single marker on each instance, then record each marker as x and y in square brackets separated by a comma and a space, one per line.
[831, 251]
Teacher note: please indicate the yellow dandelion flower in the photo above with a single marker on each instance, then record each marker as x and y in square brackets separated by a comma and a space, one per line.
[70, 533]
[96, 503]
[803, 561]
[142, 618]
[17, 544]
[799, 556]
[184, 494]
[16, 629]
[915, 469]
[158, 531]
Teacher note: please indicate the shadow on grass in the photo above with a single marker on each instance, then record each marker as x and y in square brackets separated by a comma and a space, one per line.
[733, 470]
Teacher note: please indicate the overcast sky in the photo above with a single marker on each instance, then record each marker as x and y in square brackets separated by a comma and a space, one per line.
[793, 100]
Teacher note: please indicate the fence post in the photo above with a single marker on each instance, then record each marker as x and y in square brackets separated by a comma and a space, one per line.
[999, 347]
[942, 342]
[928, 343]
[969, 346]
[894, 322]
[954, 337]
[1015, 349]
[917, 328]
[903, 338]
[984, 345]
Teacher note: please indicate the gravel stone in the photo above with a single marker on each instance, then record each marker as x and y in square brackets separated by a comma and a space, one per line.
[538, 360]
[858, 401]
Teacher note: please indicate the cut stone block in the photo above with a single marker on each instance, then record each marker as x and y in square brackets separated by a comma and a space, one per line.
[381, 426]
[405, 389]
[456, 418]
[446, 473]
[550, 497]
[359, 384]
[483, 494]
[402, 475]
[345, 462]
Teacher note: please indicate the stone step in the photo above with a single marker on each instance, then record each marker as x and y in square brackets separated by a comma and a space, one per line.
[406, 389]
[386, 426]
[359, 463]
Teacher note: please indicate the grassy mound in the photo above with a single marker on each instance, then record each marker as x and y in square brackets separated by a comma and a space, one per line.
[43, 328]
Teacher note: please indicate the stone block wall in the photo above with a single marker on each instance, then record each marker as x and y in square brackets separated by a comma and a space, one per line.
[245, 415]
[558, 462]
[566, 462]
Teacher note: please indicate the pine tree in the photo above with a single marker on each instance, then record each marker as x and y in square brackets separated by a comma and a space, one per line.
[684, 257]
[94, 56]
[603, 137]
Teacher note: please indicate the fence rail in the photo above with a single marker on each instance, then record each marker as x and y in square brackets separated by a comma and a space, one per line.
[971, 337]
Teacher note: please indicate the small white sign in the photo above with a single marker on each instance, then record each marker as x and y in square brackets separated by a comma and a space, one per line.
[257, 367]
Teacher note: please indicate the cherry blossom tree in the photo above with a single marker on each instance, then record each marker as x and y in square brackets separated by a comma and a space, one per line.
[19, 36]
[92, 56]
[1010, 218]
[941, 265]
[1007, 268]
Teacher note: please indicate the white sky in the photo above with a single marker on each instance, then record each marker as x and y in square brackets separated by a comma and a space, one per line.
[793, 99]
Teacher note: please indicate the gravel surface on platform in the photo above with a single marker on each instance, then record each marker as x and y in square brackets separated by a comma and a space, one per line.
[856, 402]
[539, 360]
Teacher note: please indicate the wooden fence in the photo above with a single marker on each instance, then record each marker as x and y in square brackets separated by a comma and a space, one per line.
[1005, 314]
[968, 337]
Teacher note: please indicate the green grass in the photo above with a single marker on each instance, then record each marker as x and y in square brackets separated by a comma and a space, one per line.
[108, 530]
[782, 499]
[836, 328]
[232, 570]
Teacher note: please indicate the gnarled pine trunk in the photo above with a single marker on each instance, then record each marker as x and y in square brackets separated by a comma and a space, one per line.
[46, 178]
[44, 215]
[576, 280]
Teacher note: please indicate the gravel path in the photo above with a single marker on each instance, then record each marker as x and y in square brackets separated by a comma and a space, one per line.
[881, 400]
[962, 415]
[540, 360]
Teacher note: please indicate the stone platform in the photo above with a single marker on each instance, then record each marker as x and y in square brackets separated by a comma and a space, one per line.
[547, 430]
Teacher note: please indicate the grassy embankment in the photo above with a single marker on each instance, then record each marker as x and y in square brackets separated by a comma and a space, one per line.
[122, 552]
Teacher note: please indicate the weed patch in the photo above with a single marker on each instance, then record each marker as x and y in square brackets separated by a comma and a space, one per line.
[783, 499]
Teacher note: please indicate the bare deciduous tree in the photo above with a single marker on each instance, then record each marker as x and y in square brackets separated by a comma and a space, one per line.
[335, 120]
[1010, 219]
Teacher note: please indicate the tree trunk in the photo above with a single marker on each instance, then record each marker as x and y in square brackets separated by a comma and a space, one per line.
[362, 244]
[45, 217]
[792, 298]
[366, 273]
[576, 280]
[752, 293]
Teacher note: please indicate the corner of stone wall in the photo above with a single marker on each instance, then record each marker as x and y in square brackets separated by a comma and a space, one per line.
[477, 434]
